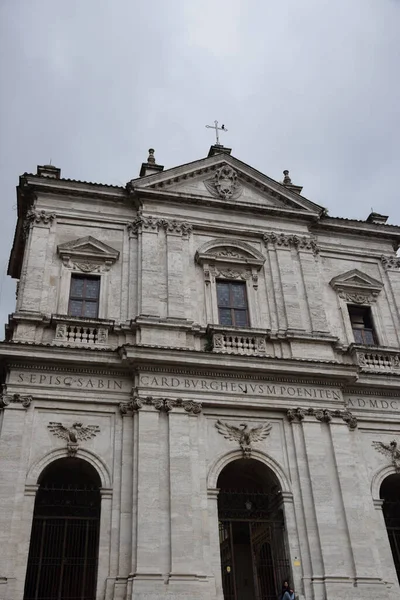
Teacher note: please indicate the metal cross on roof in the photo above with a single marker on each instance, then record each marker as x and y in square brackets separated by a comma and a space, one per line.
[215, 126]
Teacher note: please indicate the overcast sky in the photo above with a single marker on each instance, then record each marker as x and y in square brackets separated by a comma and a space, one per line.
[311, 86]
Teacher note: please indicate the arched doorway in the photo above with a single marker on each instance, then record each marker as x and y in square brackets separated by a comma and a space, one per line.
[63, 552]
[390, 494]
[251, 532]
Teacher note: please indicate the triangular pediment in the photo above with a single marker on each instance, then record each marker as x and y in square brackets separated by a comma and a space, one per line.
[88, 248]
[223, 179]
[356, 280]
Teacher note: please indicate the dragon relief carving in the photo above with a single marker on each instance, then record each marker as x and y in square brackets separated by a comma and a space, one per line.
[391, 451]
[73, 434]
[244, 434]
[224, 184]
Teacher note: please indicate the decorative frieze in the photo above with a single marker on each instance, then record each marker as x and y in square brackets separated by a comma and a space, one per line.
[291, 241]
[7, 400]
[390, 263]
[391, 451]
[244, 434]
[322, 415]
[73, 434]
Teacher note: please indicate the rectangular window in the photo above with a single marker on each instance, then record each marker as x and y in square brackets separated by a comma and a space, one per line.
[232, 303]
[84, 296]
[361, 323]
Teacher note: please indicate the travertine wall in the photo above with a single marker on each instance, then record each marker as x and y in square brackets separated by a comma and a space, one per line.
[156, 388]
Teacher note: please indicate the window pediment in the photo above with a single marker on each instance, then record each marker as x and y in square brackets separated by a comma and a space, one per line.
[356, 287]
[230, 251]
[229, 259]
[87, 254]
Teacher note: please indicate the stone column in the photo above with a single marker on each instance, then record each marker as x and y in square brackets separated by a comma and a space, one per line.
[176, 234]
[356, 498]
[38, 225]
[215, 554]
[309, 263]
[104, 586]
[186, 561]
[13, 466]
[24, 541]
[148, 568]
[289, 289]
[151, 266]
[382, 544]
[337, 561]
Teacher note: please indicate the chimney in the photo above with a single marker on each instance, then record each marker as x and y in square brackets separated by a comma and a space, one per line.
[150, 167]
[376, 218]
[287, 182]
[48, 171]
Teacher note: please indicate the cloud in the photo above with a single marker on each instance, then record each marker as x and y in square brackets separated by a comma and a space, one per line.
[310, 86]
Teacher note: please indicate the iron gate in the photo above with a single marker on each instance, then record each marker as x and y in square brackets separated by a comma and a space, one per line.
[62, 563]
[252, 537]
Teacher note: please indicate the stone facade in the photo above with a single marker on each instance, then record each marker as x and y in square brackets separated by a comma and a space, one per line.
[158, 383]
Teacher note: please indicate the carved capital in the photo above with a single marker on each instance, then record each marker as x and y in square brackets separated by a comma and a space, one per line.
[142, 223]
[323, 415]
[177, 227]
[291, 241]
[37, 217]
[191, 407]
[7, 400]
[390, 263]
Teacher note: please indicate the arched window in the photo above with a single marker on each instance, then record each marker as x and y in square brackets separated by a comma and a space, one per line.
[63, 553]
[252, 532]
[390, 494]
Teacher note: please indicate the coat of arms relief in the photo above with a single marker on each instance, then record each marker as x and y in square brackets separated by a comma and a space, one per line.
[224, 184]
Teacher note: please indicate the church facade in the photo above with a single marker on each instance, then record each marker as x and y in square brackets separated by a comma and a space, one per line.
[201, 391]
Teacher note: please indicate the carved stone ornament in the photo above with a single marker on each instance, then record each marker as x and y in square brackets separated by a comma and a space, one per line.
[291, 241]
[6, 400]
[356, 287]
[322, 415]
[161, 404]
[224, 184]
[153, 224]
[88, 255]
[244, 435]
[390, 263]
[391, 451]
[37, 217]
[73, 434]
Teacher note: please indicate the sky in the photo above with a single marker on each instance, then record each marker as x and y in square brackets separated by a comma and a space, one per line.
[311, 86]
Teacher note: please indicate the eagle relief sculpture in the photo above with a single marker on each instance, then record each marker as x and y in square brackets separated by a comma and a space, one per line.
[390, 450]
[73, 434]
[244, 434]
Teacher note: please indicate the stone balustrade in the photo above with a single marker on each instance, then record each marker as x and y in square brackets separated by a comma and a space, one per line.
[236, 341]
[377, 360]
[81, 332]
